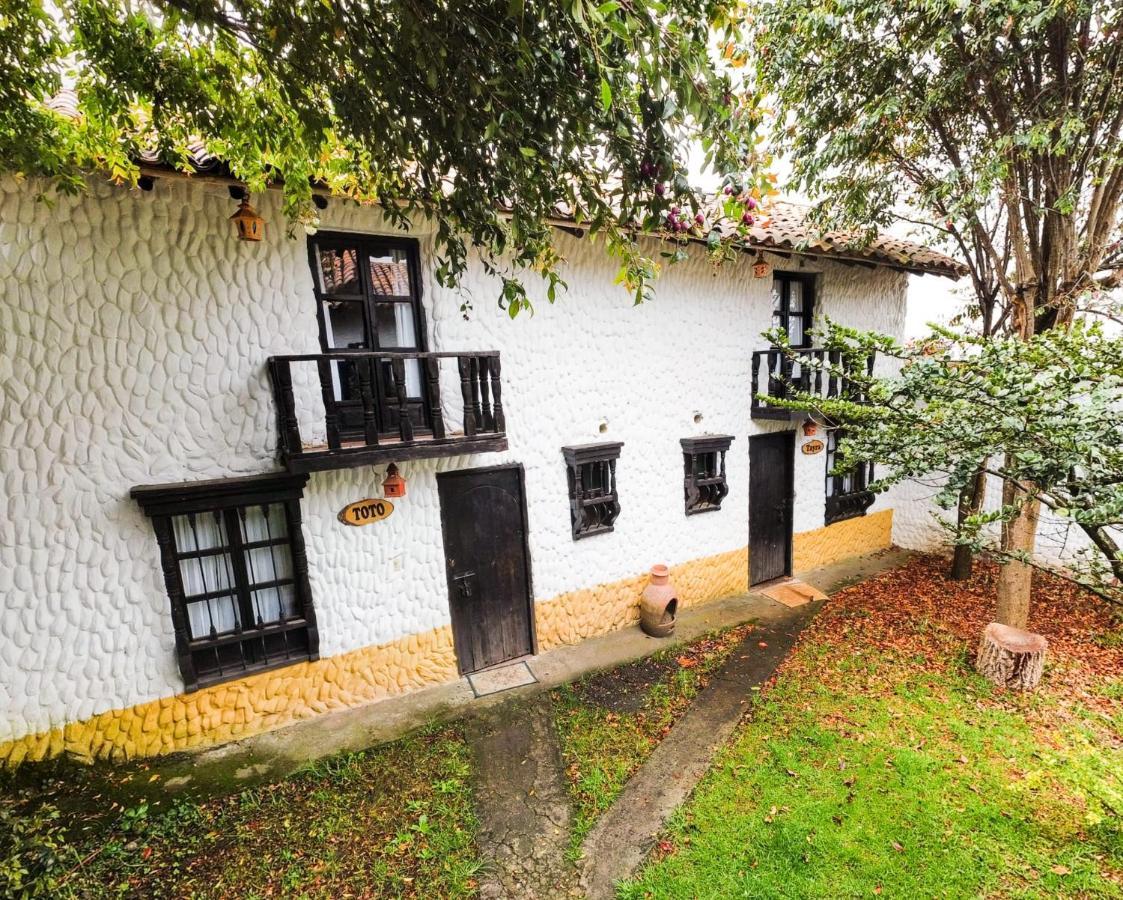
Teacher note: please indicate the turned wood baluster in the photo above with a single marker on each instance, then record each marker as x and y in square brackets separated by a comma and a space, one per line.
[405, 426]
[288, 429]
[756, 379]
[464, 364]
[474, 383]
[818, 356]
[487, 419]
[832, 379]
[366, 392]
[327, 391]
[497, 397]
[433, 377]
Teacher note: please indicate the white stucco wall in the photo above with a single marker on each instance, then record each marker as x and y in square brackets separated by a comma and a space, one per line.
[134, 331]
[917, 518]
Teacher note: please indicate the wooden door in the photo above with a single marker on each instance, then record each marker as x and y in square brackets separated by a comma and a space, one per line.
[483, 518]
[771, 468]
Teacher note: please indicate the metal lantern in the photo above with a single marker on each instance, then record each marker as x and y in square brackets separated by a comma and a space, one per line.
[760, 267]
[251, 227]
[393, 485]
[810, 428]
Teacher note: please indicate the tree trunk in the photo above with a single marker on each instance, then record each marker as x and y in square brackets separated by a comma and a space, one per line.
[1010, 657]
[1019, 536]
[970, 502]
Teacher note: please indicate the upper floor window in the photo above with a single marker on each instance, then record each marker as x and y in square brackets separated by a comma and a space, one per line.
[593, 503]
[368, 296]
[232, 555]
[793, 305]
[848, 494]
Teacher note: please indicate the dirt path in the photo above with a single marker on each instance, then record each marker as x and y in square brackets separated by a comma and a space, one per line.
[622, 837]
[522, 798]
[522, 803]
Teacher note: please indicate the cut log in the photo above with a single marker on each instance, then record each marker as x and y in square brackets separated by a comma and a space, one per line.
[1010, 657]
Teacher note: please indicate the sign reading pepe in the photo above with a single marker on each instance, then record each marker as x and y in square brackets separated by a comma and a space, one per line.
[363, 512]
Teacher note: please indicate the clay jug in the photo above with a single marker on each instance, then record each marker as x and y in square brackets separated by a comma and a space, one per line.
[659, 604]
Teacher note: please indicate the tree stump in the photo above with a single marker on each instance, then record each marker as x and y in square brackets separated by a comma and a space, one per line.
[1010, 657]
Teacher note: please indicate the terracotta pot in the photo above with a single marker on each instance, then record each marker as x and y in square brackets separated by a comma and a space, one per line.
[659, 604]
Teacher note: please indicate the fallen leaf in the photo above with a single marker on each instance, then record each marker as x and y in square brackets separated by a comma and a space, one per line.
[1060, 870]
[686, 662]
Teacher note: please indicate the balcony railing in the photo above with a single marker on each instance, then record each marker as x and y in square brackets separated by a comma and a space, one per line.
[354, 408]
[778, 375]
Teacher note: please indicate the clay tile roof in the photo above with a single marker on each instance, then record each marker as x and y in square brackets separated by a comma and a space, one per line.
[785, 228]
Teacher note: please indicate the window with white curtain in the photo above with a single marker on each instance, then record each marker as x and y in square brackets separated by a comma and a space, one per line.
[368, 294]
[233, 562]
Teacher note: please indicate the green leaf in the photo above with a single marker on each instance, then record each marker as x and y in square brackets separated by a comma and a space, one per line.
[605, 94]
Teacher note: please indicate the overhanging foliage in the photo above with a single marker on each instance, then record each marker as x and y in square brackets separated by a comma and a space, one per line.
[486, 116]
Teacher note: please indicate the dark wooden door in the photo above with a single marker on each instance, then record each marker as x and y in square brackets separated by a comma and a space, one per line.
[771, 467]
[483, 517]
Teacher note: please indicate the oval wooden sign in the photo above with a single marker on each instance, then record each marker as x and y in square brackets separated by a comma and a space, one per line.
[363, 512]
[812, 447]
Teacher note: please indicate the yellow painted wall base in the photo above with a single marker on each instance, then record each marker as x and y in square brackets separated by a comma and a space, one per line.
[842, 540]
[270, 700]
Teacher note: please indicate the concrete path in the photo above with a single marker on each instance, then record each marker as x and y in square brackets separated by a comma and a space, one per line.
[622, 837]
[522, 803]
[275, 754]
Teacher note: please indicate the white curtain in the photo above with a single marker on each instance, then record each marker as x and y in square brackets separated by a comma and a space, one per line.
[265, 564]
[206, 574]
[405, 335]
[214, 572]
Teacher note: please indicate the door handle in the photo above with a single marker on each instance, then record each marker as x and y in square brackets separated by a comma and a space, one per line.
[463, 584]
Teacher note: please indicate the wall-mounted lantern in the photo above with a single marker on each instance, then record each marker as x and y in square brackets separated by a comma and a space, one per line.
[760, 267]
[810, 428]
[251, 227]
[393, 485]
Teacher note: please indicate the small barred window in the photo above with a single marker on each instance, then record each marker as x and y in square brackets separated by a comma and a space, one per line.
[704, 482]
[593, 502]
[848, 493]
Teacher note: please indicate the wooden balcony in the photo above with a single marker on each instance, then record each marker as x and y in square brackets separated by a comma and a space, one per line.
[355, 407]
[778, 375]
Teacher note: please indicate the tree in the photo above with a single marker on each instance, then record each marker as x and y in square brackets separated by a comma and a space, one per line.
[486, 117]
[1046, 411]
[993, 126]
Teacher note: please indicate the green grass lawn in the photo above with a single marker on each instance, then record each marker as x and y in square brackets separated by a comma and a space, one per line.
[610, 722]
[879, 764]
[396, 821]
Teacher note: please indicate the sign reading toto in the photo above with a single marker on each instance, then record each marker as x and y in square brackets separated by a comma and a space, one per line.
[812, 447]
[363, 512]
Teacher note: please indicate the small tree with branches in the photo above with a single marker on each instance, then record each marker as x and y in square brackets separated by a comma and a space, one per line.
[996, 128]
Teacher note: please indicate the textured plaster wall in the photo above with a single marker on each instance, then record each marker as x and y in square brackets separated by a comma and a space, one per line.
[133, 335]
[916, 525]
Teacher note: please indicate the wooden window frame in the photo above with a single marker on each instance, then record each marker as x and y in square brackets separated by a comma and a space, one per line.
[807, 280]
[368, 245]
[842, 505]
[704, 493]
[162, 502]
[592, 511]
